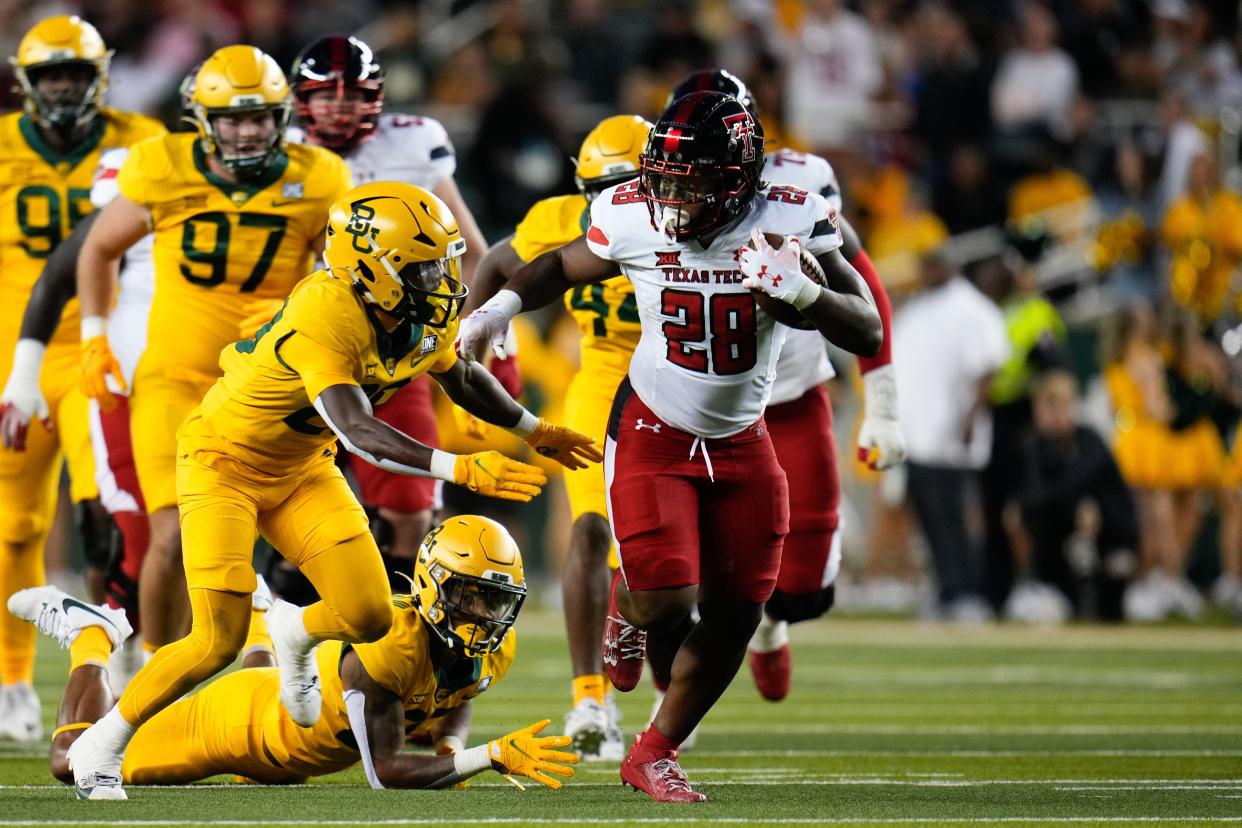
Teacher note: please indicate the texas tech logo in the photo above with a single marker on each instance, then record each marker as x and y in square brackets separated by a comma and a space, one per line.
[742, 128]
[360, 226]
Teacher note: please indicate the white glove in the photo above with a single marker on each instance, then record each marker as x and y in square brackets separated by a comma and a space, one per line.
[777, 271]
[22, 399]
[880, 441]
[488, 327]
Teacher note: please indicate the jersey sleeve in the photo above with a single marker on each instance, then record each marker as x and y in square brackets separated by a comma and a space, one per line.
[824, 235]
[541, 229]
[395, 660]
[423, 147]
[320, 347]
[139, 176]
[619, 215]
[105, 187]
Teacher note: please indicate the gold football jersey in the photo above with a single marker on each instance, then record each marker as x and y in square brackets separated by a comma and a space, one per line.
[400, 661]
[220, 246]
[606, 313]
[43, 194]
[260, 411]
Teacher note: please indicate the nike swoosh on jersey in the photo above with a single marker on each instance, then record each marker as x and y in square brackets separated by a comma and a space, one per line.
[285, 203]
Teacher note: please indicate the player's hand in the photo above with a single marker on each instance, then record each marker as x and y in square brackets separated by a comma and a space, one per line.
[487, 327]
[525, 753]
[881, 445]
[258, 314]
[98, 364]
[777, 271]
[470, 425]
[447, 746]
[572, 449]
[17, 409]
[491, 473]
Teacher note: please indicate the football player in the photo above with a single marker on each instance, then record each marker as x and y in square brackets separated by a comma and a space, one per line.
[607, 317]
[450, 642]
[698, 503]
[799, 419]
[257, 456]
[338, 91]
[237, 216]
[48, 154]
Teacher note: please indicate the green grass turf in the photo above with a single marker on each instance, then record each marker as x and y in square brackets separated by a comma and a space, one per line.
[889, 723]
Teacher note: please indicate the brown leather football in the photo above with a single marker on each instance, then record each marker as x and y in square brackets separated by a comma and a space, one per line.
[784, 312]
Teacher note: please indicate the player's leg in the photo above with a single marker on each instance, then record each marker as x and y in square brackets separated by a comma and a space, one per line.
[90, 633]
[405, 504]
[158, 406]
[593, 721]
[802, 437]
[91, 519]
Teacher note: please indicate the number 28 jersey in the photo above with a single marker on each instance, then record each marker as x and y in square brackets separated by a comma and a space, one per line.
[707, 355]
[219, 246]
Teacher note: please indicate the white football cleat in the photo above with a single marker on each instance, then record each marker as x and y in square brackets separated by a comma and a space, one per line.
[59, 615]
[96, 770]
[595, 734]
[300, 691]
[21, 713]
[690, 741]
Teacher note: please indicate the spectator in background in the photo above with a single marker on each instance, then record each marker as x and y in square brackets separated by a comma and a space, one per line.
[1037, 82]
[950, 89]
[969, 196]
[1034, 329]
[1203, 232]
[835, 69]
[1183, 142]
[1074, 505]
[948, 342]
[1098, 35]
[1051, 197]
[1129, 216]
[899, 229]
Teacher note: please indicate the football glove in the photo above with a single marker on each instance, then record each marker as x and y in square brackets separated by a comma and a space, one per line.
[491, 473]
[524, 753]
[98, 363]
[258, 314]
[572, 449]
[488, 326]
[881, 444]
[470, 425]
[777, 271]
[22, 399]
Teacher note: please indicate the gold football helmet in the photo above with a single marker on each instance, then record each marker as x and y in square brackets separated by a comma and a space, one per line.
[468, 583]
[64, 41]
[401, 248]
[609, 154]
[235, 81]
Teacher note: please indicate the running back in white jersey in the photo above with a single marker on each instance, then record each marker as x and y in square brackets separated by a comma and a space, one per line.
[127, 324]
[409, 148]
[707, 355]
[804, 362]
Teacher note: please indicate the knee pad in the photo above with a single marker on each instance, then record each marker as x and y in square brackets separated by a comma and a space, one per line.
[288, 582]
[801, 606]
[101, 538]
[21, 528]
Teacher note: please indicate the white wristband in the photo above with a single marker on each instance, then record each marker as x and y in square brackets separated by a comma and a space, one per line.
[880, 393]
[506, 302]
[27, 361]
[526, 425]
[93, 326]
[449, 744]
[472, 761]
[443, 465]
[806, 296]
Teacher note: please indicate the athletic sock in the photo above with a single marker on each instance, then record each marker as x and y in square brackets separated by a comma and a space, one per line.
[769, 635]
[92, 646]
[257, 640]
[592, 686]
[651, 745]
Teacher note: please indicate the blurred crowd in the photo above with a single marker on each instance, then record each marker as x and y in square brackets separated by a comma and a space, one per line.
[1063, 169]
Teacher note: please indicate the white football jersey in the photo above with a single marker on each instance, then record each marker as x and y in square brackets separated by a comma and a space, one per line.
[409, 148]
[127, 324]
[707, 355]
[804, 362]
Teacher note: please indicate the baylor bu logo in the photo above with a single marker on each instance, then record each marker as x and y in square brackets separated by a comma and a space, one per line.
[742, 128]
[360, 226]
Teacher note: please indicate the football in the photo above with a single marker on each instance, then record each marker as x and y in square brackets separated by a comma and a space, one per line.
[784, 312]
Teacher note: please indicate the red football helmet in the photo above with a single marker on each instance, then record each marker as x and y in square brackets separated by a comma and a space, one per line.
[346, 68]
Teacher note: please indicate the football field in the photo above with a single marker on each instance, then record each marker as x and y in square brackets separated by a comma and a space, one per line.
[889, 723]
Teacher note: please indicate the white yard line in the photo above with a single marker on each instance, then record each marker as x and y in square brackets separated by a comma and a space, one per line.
[664, 820]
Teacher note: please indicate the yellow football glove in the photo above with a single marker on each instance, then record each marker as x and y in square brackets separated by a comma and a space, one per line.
[98, 364]
[526, 754]
[491, 473]
[470, 425]
[572, 449]
[258, 314]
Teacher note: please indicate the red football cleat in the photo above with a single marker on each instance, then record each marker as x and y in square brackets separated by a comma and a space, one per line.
[661, 779]
[624, 646]
[772, 672]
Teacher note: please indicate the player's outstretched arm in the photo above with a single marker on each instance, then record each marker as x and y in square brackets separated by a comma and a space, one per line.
[544, 280]
[347, 411]
[470, 386]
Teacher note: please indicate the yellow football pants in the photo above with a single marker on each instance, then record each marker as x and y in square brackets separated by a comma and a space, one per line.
[311, 517]
[158, 404]
[28, 485]
[588, 401]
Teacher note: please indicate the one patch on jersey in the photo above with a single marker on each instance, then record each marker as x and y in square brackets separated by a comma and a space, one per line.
[430, 343]
[292, 189]
[483, 684]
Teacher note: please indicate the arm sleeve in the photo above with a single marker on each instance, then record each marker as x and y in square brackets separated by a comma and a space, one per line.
[530, 237]
[862, 263]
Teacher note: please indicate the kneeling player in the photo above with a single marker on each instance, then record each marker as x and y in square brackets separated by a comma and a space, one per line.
[256, 456]
[450, 642]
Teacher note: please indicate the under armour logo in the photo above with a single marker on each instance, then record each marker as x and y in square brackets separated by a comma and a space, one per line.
[763, 271]
[638, 426]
